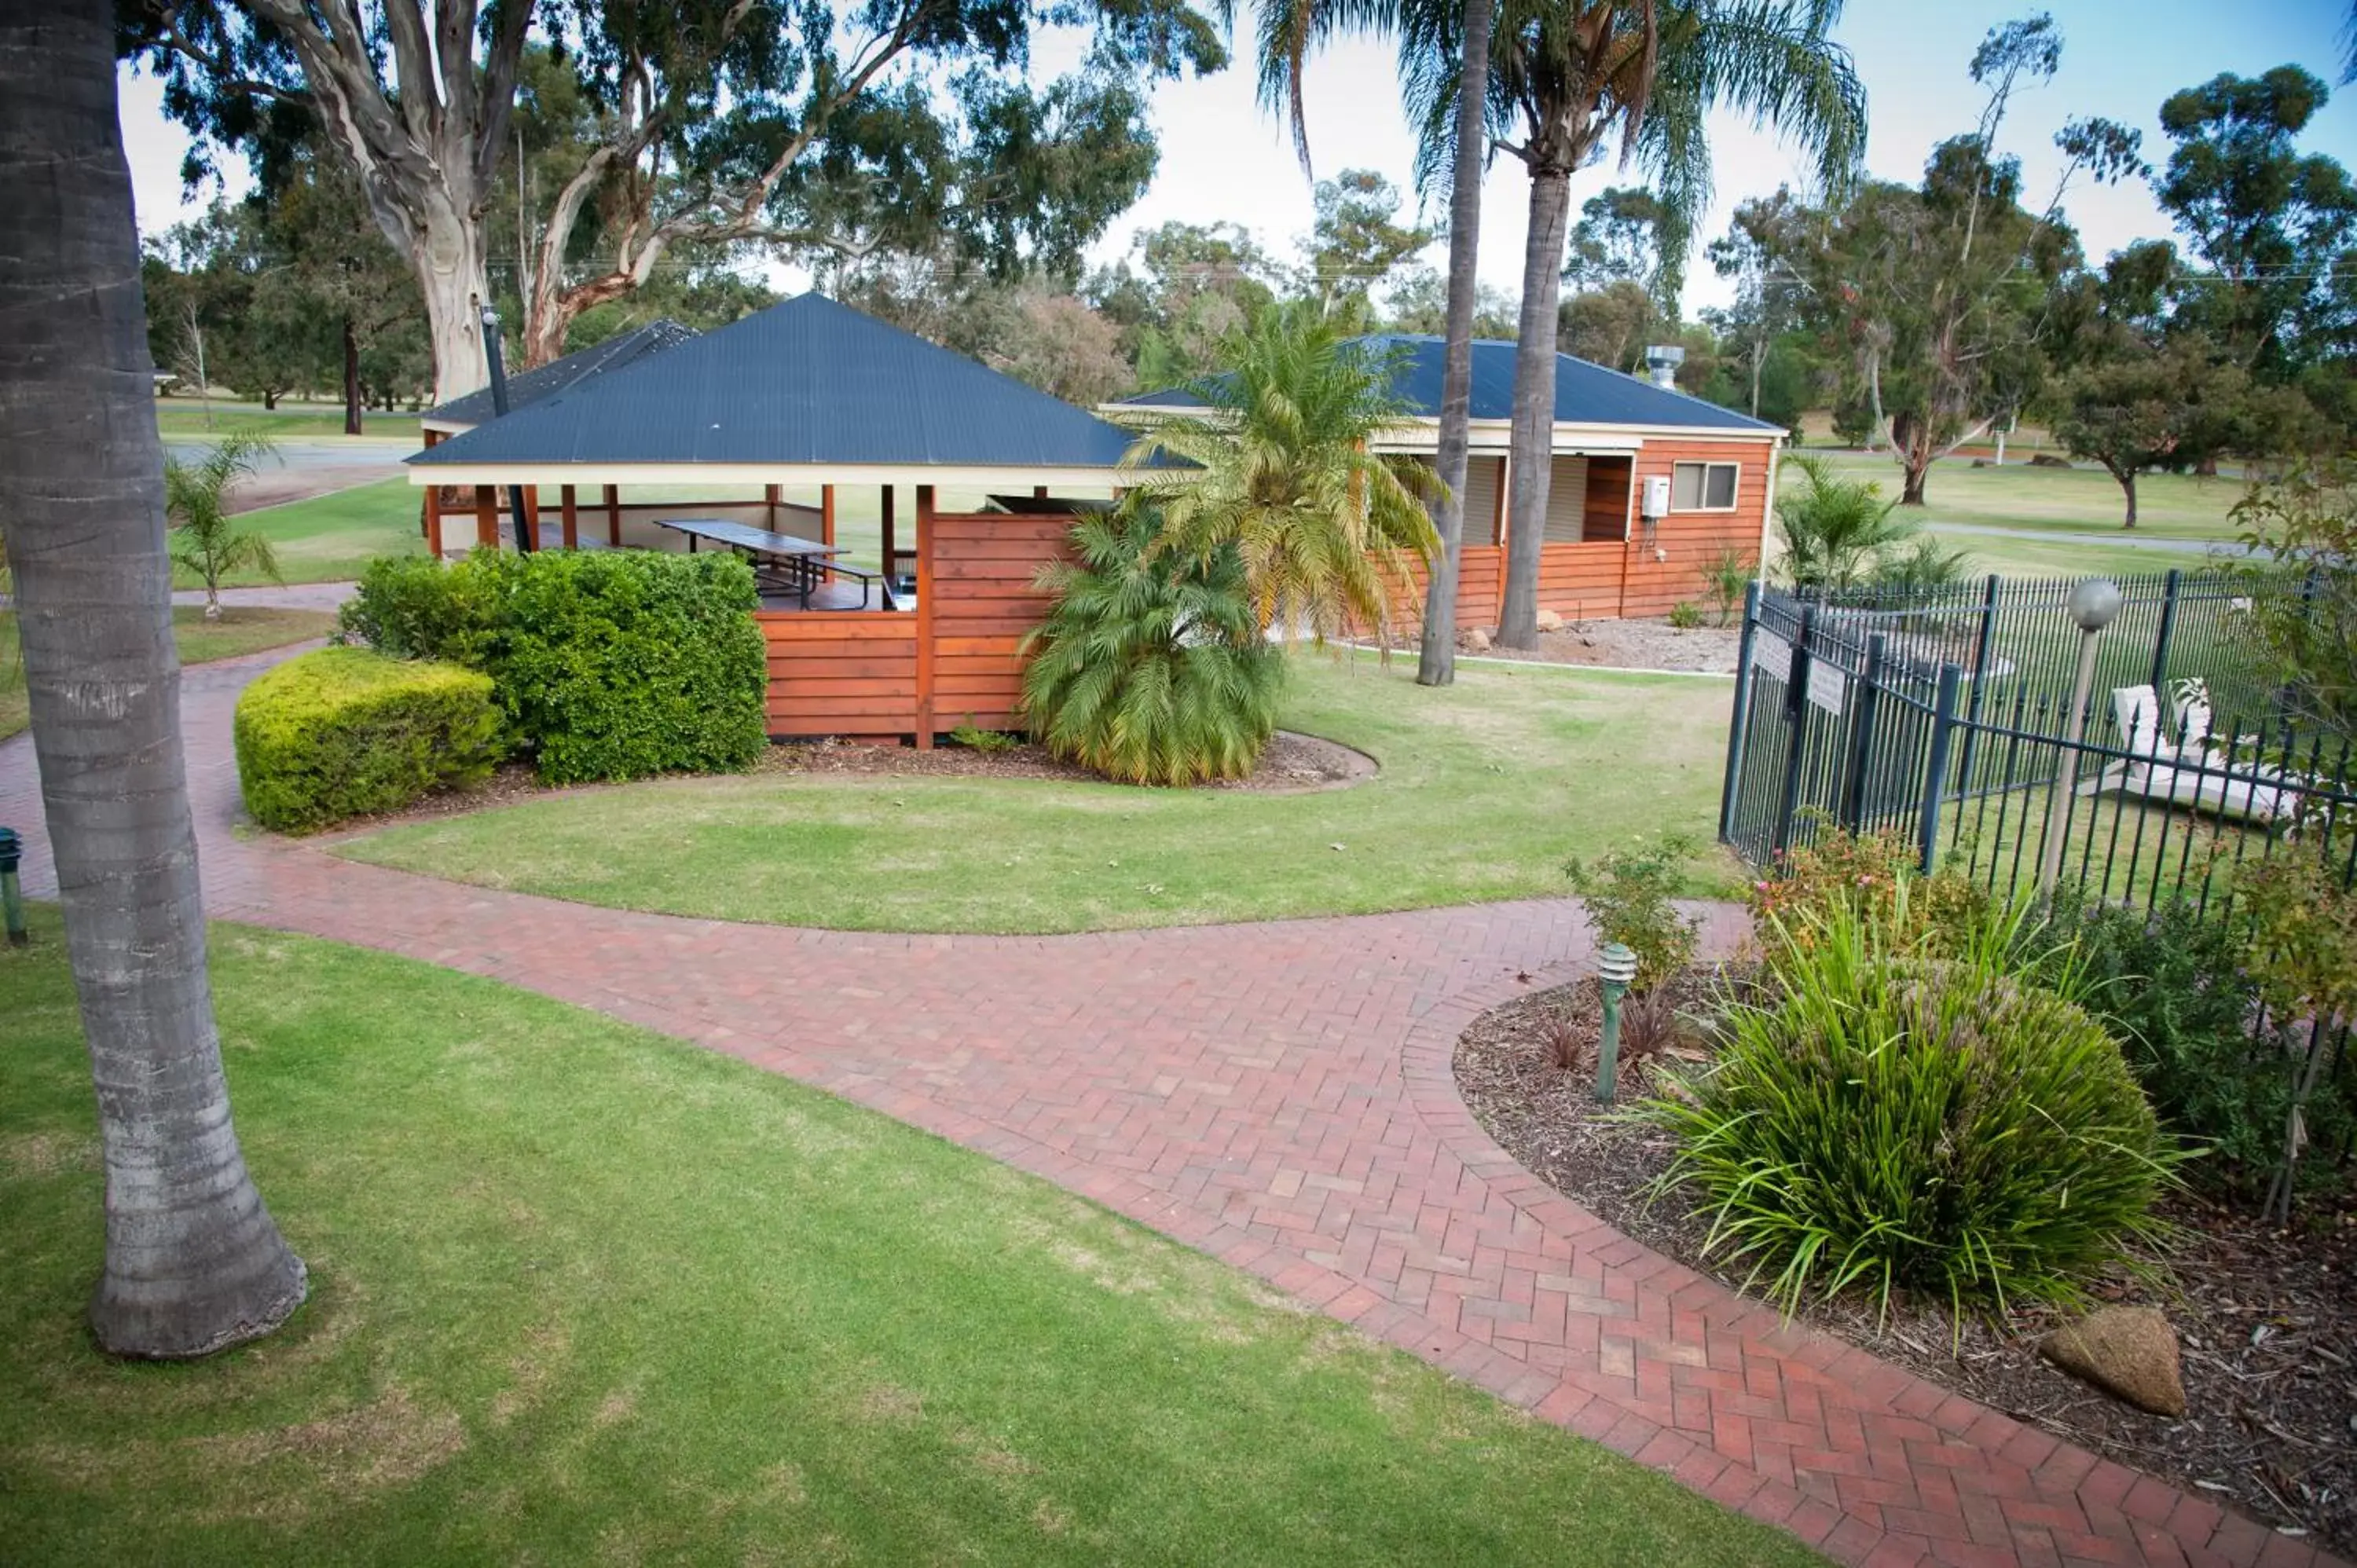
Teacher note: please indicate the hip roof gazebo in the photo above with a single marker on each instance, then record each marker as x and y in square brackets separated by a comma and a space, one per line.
[813, 396]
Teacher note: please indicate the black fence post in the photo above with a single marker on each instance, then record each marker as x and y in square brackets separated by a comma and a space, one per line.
[2167, 633]
[1982, 646]
[1943, 729]
[1866, 691]
[1796, 710]
[1738, 729]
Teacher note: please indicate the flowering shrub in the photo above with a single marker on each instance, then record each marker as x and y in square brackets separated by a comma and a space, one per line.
[1873, 876]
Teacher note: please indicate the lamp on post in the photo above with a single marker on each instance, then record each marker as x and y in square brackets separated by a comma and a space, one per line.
[1616, 967]
[2093, 605]
[12, 901]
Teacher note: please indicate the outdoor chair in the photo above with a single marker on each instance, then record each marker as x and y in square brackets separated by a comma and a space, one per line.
[2186, 772]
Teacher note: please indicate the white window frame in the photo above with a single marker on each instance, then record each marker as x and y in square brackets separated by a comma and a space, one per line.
[1735, 495]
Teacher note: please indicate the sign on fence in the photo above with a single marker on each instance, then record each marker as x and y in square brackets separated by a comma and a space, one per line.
[1828, 687]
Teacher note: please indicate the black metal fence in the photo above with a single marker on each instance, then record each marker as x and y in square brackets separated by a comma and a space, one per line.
[1947, 717]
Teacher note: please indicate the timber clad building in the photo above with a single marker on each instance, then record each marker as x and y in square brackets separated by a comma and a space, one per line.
[898, 500]
[1607, 554]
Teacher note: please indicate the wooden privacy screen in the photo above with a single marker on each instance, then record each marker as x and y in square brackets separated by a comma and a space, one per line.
[885, 674]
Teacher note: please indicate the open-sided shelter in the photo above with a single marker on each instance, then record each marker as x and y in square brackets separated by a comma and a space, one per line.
[1649, 485]
[813, 396]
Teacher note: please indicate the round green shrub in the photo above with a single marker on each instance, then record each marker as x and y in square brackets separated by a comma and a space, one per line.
[344, 731]
[1883, 1120]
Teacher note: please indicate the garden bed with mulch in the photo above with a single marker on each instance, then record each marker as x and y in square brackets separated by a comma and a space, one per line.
[1633, 645]
[1290, 763]
[2266, 1319]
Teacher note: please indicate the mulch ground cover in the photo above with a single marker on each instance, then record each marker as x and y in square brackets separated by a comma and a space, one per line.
[2266, 1319]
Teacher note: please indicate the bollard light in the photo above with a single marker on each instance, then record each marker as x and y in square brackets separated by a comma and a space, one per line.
[1616, 967]
[12, 902]
[2093, 605]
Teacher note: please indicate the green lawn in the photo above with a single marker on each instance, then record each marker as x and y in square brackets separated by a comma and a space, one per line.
[1486, 789]
[327, 538]
[584, 1295]
[2072, 500]
[185, 416]
[241, 629]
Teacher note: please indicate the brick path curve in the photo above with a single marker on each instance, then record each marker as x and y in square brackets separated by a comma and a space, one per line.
[1278, 1096]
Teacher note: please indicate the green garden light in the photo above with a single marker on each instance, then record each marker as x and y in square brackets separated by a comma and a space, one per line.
[12, 902]
[1616, 966]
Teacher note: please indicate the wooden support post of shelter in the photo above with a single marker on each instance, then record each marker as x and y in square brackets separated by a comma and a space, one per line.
[826, 514]
[771, 496]
[433, 521]
[888, 540]
[531, 517]
[925, 531]
[571, 519]
[487, 518]
[614, 516]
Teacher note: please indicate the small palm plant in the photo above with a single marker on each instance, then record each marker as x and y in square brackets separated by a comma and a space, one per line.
[1151, 668]
[1834, 529]
[204, 539]
[1280, 470]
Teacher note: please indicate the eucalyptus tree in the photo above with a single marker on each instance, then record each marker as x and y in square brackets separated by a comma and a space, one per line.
[193, 1261]
[699, 122]
[1567, 79]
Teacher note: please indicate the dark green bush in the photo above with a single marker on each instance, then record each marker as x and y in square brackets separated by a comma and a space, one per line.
[608, 664]
[1883, 1120]
[343, 731]
[2177, 989]
[413, 607]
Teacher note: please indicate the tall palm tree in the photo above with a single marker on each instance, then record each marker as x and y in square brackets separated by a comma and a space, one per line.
[1566, 76]
[1281, 468]
[1287, 29]
[193, 1262]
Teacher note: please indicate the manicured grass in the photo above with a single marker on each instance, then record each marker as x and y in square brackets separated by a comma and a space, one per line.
[185, 416]
[2025, 554]
[243, 629]
[327, 538]
[1486, 789]
[2072, 500]
[584, 1294]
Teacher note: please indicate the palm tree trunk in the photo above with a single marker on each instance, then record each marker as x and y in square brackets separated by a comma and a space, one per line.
[193, 1262]
[1437, 658]
[1533, 435]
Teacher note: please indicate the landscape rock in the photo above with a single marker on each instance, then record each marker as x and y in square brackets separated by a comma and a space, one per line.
[2049, 460]
[1476, 641]
[2129, 1352]
[1550, 621]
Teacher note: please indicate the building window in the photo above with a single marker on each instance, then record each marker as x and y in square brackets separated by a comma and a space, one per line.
[1702, 487]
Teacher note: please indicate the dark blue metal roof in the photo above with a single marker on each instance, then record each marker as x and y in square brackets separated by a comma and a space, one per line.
[1585, 394]
[529, 387]
[805, 382]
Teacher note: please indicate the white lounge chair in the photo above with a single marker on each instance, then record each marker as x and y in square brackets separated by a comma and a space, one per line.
[2187, 772]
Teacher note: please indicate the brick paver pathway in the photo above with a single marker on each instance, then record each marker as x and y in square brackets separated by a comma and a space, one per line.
[1279, 1096]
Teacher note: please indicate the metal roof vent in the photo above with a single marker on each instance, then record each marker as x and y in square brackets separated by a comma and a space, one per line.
[1662, 363]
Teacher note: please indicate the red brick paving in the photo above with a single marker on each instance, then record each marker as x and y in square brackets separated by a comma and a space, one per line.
[1280, 1097]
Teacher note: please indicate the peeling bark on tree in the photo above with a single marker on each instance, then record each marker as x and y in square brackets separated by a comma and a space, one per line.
[193, 1261]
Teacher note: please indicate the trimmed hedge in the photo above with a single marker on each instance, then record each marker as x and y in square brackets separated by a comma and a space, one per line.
[608, 664]
[343, 732]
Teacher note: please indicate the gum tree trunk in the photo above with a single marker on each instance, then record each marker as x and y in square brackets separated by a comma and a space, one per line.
[1533, 435]
[193, 1261]
[1437, 658]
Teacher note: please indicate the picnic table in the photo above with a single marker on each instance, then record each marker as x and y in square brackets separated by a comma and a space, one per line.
[785, 562]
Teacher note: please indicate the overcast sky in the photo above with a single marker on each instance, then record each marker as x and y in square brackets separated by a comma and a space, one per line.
[1224, 159]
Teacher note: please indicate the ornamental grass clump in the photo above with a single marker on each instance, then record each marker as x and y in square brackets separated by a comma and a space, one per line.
[1150, 668]
[1896, 1115]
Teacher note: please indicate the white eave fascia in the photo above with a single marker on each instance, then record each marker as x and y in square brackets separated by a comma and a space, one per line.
[1422, 432]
